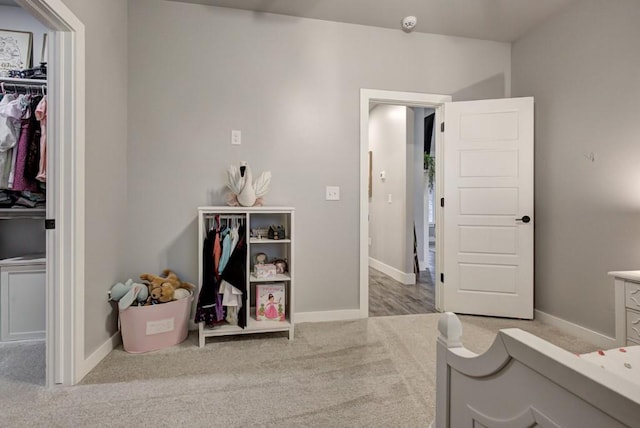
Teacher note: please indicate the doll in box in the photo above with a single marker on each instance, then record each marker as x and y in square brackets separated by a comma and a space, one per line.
[271, 310]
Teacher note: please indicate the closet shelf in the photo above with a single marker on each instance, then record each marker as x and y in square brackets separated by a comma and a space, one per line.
[15, 213]
[253, 326]
[278, 277]
[269, 241]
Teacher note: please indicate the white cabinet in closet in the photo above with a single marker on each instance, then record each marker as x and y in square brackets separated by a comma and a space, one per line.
[22, 298]
[257, 219]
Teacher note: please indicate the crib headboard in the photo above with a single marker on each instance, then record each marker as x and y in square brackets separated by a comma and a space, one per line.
[523, 380]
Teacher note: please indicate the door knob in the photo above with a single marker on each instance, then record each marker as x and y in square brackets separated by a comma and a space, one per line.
[524, 219]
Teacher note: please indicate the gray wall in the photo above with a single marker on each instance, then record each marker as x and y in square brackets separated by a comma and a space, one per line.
[421, 184]
[106, 164]
[292, 86]
[583, 68]
[419, 203]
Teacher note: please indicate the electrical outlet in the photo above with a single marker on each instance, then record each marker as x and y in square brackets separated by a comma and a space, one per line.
[333, 193]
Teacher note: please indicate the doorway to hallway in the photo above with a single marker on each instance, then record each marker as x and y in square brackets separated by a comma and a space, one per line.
[401, 220]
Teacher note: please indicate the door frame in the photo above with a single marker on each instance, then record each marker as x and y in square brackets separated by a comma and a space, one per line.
[65, 191]
[409, 99]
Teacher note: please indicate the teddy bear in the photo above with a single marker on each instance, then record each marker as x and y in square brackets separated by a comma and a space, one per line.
[162, 294]
[165, 285]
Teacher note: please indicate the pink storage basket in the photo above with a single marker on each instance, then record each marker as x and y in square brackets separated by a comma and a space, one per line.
[149, 328]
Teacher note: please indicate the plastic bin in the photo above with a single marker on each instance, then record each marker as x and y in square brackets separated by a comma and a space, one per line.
[150, 328]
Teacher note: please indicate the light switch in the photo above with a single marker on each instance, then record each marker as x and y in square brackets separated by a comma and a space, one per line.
[389, 199]
[333, 193]
[236, 137]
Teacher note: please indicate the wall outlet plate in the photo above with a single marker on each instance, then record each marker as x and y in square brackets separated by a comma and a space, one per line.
[236, 137]
[333, 193]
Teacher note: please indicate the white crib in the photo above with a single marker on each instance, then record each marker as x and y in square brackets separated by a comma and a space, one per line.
[525, 381]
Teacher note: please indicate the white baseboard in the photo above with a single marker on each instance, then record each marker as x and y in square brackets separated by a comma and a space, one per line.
[320, 316]
[598, 339]
[98, 355]
[398, 275]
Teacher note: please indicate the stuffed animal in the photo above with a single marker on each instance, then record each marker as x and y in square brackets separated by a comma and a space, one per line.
[125, 294]
[181, 293]
[162, 294]
[159, 286]
[168, 276]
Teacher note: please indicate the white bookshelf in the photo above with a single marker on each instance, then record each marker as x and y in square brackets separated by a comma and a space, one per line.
[254, 217]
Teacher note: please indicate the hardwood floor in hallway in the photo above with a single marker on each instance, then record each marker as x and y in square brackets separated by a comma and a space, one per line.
[390, 297]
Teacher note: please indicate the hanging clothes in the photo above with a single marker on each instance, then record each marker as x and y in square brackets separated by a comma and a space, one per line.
[33, 138]
[224, 278]
[226, 250]
[20, 181]
[41, 115]
[209, 307]
[235, 273]
[10, 115]
[18, 127]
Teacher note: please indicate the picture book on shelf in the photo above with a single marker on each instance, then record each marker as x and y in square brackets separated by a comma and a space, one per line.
[270, 302]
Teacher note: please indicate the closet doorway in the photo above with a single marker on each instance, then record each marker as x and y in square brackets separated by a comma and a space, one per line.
[61, 353]
[22, 199]
[406, 269]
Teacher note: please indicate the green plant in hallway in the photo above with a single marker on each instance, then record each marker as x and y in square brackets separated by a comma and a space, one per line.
[430, 167]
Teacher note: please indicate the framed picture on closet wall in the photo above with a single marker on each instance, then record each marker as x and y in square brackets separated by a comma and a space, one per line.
[44, 53]
[15, 50]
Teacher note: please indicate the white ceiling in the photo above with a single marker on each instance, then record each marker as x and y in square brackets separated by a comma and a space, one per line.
[500, 20]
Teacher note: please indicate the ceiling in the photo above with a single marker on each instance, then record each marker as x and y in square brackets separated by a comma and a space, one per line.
[499, 20]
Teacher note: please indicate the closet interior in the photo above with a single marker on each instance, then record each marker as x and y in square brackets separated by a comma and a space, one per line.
[22, 209]
[23, 176]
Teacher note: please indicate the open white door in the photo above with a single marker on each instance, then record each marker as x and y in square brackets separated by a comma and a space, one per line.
[488, 212]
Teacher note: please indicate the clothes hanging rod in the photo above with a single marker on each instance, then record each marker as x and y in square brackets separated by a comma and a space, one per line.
[24, 85]
[19, 80]
[8, 86]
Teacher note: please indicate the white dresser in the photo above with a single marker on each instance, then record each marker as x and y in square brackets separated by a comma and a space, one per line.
[627, 307]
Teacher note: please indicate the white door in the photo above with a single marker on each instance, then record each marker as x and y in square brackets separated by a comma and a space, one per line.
[488, 211]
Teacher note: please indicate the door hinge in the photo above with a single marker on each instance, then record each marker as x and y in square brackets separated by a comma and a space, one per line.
[442, 127]
[49, 223]
[442, 202]
[441, 277]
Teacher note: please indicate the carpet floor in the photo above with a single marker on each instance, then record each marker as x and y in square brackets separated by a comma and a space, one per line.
[365, 373]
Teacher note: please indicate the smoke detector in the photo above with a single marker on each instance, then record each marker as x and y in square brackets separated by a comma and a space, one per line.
[408, 23]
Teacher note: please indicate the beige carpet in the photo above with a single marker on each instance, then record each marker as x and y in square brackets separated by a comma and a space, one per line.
[364, 373]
